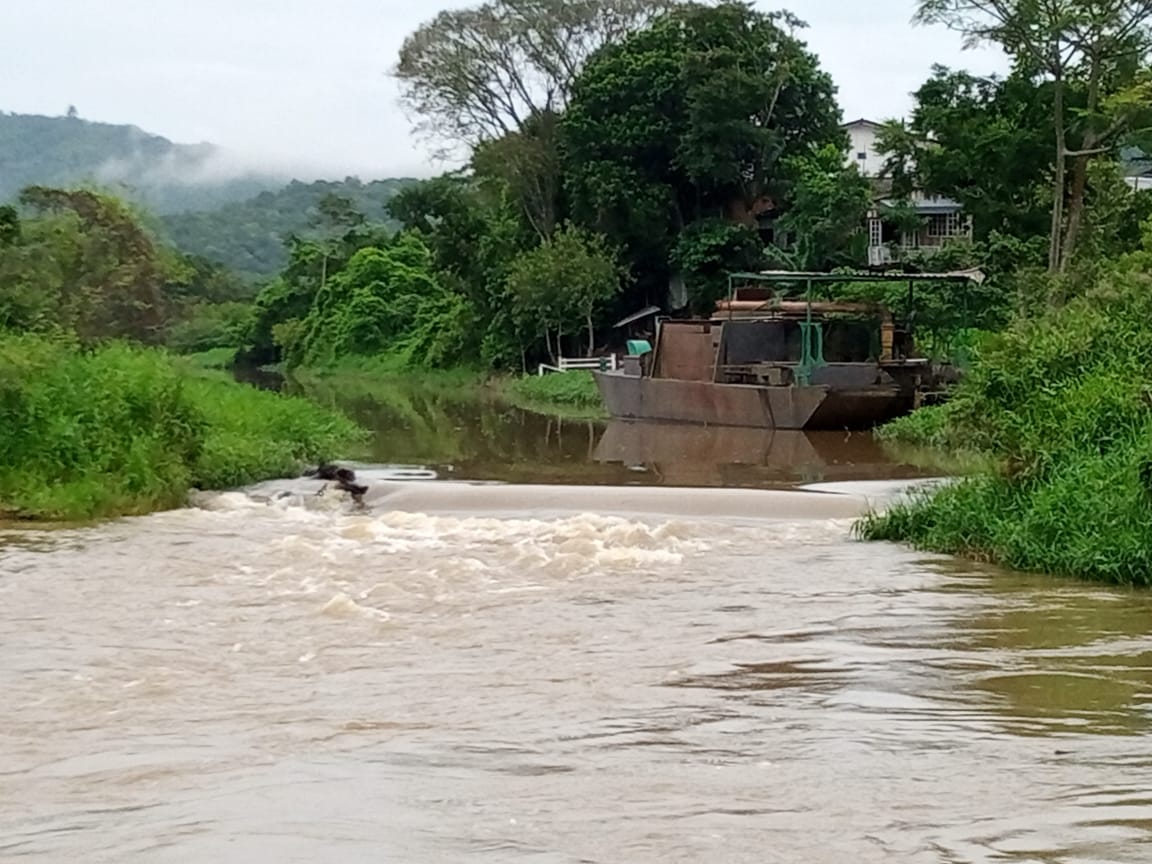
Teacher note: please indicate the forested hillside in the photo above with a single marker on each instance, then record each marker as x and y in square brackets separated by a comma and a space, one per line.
[149, 169]
[248, 236]
[232, 217]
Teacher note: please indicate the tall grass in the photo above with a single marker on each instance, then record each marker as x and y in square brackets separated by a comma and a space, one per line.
[1061, 407]
[122, 430]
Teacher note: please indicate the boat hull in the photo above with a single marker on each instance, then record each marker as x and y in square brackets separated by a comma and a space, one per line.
[763, 407]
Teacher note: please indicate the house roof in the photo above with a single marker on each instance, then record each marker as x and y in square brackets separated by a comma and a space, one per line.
[861, 122]
[928, 206]
[1135, 162]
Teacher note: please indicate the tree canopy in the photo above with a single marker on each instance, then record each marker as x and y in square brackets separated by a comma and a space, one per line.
[1101, 46]
[698, 116]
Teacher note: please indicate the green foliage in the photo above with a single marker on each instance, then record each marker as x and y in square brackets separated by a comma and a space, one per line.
[698, 116]
[562, 283]
[9, 225]
[574, 391]
[213, 358]
[122, 429]
[475, 233]
[984, 142]
[1060, 402]
[1100, 50]
[255, 435]
[211, 325]
[84, 264]
[387, 301]
[249, 236]
[706, 252]
[930, 426]
[827, 212]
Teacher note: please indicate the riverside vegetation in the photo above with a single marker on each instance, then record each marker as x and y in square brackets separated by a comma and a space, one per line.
[1060, 407]
[670, 144]
[96, 417]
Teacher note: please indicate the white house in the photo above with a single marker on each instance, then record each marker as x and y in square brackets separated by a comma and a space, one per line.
[941, 219]
[1137, 166]
[862, 151]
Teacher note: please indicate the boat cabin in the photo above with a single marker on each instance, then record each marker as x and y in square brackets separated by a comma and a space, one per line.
[758, 337]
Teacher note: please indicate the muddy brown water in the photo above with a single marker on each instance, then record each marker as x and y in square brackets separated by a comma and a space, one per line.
[476, 435]
[550, 674]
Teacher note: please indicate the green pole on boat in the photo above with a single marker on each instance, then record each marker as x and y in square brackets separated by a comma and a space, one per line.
[805, 370]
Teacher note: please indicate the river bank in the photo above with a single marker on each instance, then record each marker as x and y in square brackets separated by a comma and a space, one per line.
[121, 430]
[569, 394]
[1056, 411]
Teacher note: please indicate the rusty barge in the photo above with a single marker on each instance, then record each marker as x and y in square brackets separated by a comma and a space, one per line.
[769, 361]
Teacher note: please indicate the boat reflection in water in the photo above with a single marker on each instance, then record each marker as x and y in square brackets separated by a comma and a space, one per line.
[691, 455]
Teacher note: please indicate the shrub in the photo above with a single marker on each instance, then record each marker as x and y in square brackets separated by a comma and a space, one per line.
[120, 430]
[1062, 406]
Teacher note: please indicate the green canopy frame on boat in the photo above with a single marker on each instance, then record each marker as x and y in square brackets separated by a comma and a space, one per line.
[812, 342]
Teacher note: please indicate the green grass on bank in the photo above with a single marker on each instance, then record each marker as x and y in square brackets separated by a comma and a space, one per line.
[1059, 408]
[124, 430]
[393, 368]
[213, 358]
[568, 392]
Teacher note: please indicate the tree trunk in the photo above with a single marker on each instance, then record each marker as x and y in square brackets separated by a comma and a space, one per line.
[1075, 211]
[591, 337]
[1058, 182]
[1091, 141]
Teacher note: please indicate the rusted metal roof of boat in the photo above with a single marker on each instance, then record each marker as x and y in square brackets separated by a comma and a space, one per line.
[972, 275]
[636, 316]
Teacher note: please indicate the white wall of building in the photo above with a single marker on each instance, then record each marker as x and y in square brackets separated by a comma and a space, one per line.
[862, 151]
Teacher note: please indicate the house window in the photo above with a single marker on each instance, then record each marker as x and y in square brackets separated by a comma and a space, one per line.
[944, 225]
[875, 232]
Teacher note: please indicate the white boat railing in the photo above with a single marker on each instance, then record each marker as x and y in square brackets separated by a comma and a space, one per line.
[610, 363]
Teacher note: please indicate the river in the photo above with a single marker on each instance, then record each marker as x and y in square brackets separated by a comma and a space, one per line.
[558, 674]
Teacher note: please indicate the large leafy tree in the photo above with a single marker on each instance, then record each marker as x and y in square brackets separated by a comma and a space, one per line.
[1099, 45]
[825, 217]
[97, 269]
[493, 78]
[697, 116]
[386, 300]
[479, 73]
[985, 142]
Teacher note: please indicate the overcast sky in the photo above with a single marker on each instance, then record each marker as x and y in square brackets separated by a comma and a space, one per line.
[304, 82]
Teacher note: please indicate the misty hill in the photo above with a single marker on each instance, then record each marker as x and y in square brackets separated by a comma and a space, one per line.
[205, 205]
[150, 169]
[248, 236]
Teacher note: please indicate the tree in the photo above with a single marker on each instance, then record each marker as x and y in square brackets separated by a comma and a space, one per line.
[827, 211]
[386, 301]
[527, 165]
[477, 74]
[494, 78]
[984, 142]
[698, 116]
[9, 226]
[706, 252]
[109, 274]
[1099, 43]
[563, 282]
